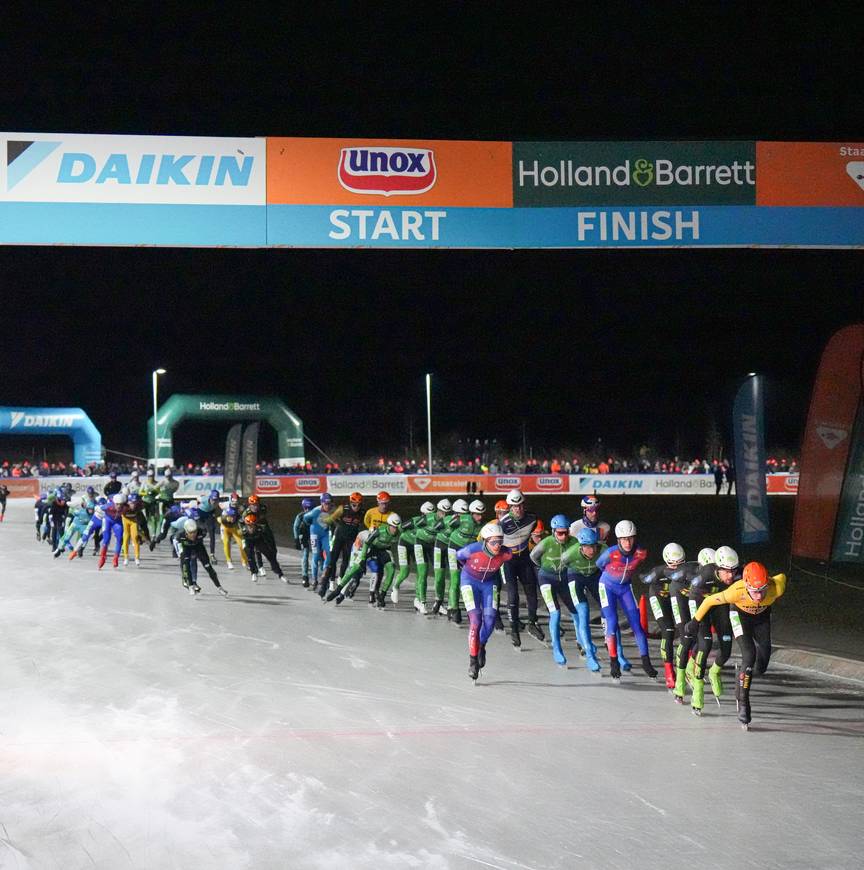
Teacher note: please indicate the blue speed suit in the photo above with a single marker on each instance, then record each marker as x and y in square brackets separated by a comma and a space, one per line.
[207, 518]
[619, 569]
[319, 539]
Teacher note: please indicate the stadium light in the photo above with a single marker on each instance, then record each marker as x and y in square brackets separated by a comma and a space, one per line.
[429, 417]
[751, 374]
[156, 374]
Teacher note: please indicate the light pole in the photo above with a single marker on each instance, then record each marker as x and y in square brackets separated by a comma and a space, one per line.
[155, 426]
[429, 417]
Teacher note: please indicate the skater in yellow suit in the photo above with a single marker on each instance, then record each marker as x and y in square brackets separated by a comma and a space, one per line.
[230, 530]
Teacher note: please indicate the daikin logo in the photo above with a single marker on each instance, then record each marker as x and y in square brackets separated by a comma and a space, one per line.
[82, 167]
[49, 421]
[387, 171]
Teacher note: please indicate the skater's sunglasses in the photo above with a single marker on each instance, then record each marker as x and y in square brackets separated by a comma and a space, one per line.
[757, 592]
[562, 532]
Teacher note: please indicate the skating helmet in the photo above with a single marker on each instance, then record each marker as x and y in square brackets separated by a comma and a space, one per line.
[491, 530]
[539, 527]
[590, 502]
[250, 519]
[234, 498]
[102, 501]
[515, 497]
[460, 506]
[559, 522]
[120, 498]
[444, 505]
[706, 556]
[230, 512]
[254, 499]
[427, 507]
[192, 512]
[394, 520]
[326, 498]
[91, 491]
[133, 498]
[383, 497]
[501, 506]
[673, 555]
[755, 578]
[190, 527]
[306, 504]
[476, 507]
[727, 558]
[113, 475]
[355, 498]
[625, 529]
[214, 494]
[587, 537]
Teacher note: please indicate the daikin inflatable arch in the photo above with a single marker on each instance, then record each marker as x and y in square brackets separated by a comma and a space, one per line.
[86, 440]
[233, 409]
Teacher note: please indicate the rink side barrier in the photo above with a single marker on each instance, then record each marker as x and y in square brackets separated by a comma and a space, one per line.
[434, 486]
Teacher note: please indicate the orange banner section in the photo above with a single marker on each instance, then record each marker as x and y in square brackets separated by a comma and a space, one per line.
[21, 487]
[397, 172]
[810, 173]
[827, 440]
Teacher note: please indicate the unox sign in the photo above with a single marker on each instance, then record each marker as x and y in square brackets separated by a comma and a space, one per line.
[387, 171]
[529, 483]
[290, 485]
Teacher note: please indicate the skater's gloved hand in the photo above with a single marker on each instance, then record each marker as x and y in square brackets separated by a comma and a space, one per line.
[691, 627]
[298, 545]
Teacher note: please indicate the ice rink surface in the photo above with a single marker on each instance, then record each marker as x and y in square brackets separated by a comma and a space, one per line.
[140, 727]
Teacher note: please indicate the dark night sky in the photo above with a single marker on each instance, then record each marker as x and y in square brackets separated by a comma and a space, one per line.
[630, 346]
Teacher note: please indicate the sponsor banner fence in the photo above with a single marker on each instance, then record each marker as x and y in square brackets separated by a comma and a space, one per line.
[781, 484]
[439, 484]
[290, 485]
[367, 484]
[18, 487]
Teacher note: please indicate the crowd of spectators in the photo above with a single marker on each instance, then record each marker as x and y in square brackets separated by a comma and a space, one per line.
[383, 465]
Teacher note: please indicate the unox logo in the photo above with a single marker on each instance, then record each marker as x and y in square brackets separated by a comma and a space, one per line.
[307, 483]
[387, 171]
[267, 483]
[550, 483]
[791, 483]
[508, 482]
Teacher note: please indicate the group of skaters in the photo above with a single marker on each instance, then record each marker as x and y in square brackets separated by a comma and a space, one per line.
[122, 517]
[698, 605]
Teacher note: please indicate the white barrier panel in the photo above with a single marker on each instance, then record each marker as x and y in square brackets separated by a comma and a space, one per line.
[367, 484]
[642, 484]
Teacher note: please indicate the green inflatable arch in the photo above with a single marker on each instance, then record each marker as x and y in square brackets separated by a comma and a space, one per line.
[233, 409]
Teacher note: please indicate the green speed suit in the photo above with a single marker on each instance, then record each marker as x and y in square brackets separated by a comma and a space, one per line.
[167, 488]
[443, 529]
[465, 532]
[409, 546]
[424, 545]
[379, 546]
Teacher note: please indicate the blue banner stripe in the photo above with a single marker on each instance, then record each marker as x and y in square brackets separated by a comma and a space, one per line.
[342, 226]
[36, 223]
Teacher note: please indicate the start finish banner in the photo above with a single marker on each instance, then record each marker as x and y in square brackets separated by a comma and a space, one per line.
[407, 193]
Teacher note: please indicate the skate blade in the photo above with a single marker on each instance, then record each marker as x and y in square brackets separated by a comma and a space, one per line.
[717, 700]
[745, 727]
[696, 713]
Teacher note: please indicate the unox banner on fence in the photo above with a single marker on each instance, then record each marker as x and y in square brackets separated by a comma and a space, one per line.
[345, 193]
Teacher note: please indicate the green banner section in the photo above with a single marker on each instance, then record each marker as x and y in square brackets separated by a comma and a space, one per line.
[849, 535]
[634, 173]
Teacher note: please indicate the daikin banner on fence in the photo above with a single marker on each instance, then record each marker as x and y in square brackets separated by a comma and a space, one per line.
[385, 193]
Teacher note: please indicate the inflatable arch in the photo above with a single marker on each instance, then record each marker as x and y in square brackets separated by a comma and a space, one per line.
[234, 409]
[56, 421]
